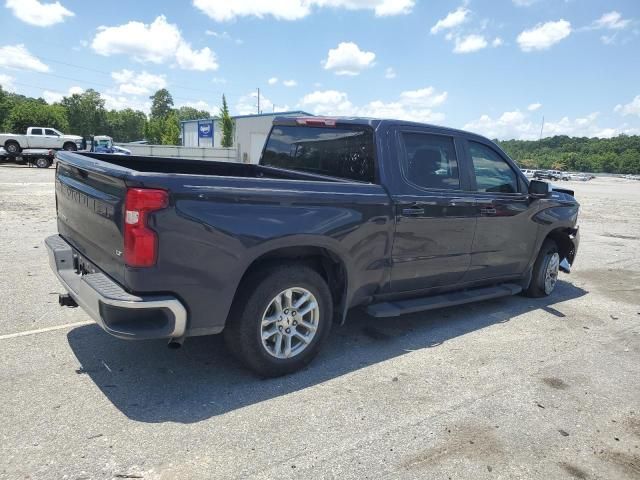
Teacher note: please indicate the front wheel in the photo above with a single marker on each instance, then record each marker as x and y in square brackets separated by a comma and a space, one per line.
[280, 319]
[545, 271]
[70, 147]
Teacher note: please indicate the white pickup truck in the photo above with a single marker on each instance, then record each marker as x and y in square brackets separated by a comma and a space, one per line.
[39, 137]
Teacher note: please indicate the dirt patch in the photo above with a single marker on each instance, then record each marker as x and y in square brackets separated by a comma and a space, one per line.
[575, 472]
[626, 462]
[469, 441]
[556, 383]
[617, 284]
[624, 237]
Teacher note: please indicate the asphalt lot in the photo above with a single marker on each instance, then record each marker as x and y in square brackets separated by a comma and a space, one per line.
[509, 388]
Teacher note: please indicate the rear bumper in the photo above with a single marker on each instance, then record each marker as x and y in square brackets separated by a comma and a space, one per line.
[118, 312]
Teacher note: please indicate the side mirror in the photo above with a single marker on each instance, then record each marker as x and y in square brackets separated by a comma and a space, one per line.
[539, 189]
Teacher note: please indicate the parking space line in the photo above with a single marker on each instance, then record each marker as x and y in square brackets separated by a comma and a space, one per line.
[44, 330]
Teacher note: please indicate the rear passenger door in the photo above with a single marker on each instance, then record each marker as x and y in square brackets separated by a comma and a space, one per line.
[505, 234]
[434, 212]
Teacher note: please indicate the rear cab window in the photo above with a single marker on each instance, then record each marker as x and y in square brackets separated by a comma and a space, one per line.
[344, 151]
[430, 161]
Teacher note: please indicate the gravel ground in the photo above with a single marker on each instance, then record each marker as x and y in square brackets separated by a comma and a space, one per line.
[509, 388]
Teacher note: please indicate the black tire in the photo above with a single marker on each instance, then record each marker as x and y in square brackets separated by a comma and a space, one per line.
[537, 286]
[12, 147]
[42, 162]
[243, 333]
[70, 147]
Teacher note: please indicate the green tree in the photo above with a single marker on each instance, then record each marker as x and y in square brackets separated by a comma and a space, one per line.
[161, 104]
[85, 112]
[190, 113]
[126, 125]
[170, 130]
[226, 123]
[32, 112]
[153, 130]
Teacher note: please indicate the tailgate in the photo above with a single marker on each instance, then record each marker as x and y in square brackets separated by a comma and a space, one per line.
[90, 206]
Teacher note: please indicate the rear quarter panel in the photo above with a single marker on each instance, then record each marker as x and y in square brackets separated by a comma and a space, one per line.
[216, 228]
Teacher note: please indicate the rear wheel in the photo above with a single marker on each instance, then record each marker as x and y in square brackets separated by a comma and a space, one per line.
[12, 147]
[545, 271]
[43, 162]
[280, 319]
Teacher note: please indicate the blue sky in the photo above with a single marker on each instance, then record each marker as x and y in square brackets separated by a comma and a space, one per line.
[491, 66]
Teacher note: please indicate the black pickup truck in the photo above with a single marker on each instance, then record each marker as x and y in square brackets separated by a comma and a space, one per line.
[393, 216]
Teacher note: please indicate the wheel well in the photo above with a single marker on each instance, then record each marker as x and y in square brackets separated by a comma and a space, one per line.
[8, 142]
[325, 262]
[565, 245]
[69, 142]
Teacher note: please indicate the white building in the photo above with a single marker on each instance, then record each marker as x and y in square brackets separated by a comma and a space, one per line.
[249, 134]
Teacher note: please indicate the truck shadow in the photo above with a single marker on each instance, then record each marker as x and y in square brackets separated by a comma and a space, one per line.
[148, 382]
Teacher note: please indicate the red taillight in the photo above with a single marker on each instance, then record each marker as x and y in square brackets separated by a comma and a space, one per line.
[140, 242]
[316, 122]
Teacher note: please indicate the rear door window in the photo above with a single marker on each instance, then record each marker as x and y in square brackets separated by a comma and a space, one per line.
[430, 161]
[336, 152]
[36, 131]
[493, 173]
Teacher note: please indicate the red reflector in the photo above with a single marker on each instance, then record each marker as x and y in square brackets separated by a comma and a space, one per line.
[316, 122]
[140, 242]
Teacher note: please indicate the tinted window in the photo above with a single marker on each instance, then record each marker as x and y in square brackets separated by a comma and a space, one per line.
[431, 161]
[337, 152]
[48, 131]
[36, 131]
[493, 174]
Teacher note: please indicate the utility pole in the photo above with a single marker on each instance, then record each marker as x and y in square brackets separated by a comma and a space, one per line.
[258, 100]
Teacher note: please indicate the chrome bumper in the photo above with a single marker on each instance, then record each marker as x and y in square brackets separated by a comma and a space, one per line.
[118, 312]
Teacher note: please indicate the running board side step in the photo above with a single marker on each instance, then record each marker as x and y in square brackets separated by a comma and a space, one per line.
[401, 307]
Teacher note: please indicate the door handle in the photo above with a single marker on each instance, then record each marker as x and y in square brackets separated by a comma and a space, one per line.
[413, 211]
[488, 211]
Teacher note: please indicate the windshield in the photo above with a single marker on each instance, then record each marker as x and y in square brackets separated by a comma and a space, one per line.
[337, 152]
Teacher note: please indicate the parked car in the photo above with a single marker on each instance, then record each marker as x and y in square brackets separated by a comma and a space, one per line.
[527, 172]
[104, 144]
[39, 137]
[580, 177]
[396, 217]
[550, 175]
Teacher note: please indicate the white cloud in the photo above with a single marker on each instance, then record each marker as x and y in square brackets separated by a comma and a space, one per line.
[453, 19]
[37, 13]
[497, 42]
[534, 106]
[132, 83]
[470, 43]
[389, 73]
[17, 57]
[120, 102]
[201, 105]
[544, 35]
[415, 105]
[611, 21]
[248, 104]
[518, 125]
[348, 59]
[272, 80]
[290, 83]
[631, 108]
[225, 10]
[6, 81]
[524, 3]
[54, 96]
[158, 42]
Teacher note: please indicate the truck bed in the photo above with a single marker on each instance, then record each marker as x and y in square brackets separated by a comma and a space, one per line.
[163, 165]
